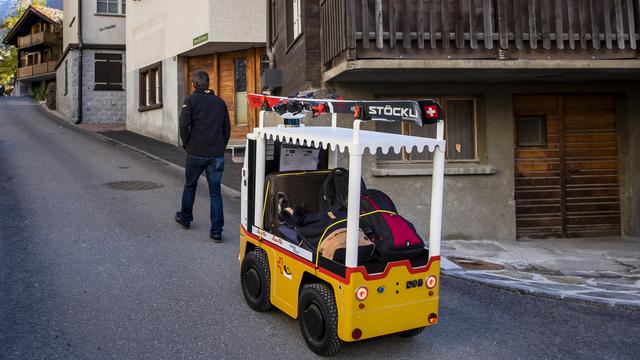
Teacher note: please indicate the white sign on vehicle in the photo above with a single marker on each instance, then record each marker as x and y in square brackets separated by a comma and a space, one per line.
[303, 253]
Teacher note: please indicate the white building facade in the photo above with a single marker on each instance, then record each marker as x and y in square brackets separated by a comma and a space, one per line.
[91, 80]
[168, 40]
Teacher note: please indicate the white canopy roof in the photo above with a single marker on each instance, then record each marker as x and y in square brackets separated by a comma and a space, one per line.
[343, 138]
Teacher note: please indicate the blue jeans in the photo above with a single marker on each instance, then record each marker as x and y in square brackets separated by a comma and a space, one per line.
[213, 166]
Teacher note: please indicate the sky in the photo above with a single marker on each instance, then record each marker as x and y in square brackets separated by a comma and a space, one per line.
[7, 5]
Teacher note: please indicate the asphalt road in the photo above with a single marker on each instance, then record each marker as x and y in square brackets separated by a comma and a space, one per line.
[88, 272]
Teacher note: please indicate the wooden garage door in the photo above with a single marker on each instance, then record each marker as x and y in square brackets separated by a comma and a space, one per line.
[566, 166]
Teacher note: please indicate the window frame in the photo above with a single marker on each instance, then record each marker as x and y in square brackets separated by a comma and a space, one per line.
[290, 34]
[144, 87]
[108, 58]
[274, 21]
[406, 130]
[120, 6]
[66, 77]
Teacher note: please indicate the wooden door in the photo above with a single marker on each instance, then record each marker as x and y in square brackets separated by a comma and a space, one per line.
[233, 75]
[239, 75]
[566, 166]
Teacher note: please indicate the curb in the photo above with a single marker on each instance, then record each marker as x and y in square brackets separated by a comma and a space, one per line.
[620, 304]
[60, 119]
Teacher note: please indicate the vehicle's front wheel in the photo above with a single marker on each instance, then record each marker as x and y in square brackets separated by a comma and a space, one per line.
[256, 280]
[318, 316]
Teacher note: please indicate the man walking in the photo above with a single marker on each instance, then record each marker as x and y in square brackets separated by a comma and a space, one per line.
[205, 131]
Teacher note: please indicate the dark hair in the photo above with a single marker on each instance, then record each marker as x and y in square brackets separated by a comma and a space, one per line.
[200, 79]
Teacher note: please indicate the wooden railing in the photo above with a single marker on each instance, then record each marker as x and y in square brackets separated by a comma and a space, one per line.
[37, 69]
[542, 25]
[35, 39]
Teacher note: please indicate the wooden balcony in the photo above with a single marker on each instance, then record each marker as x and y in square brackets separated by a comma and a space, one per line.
[36, 70]
[36, 39]
[478, 29]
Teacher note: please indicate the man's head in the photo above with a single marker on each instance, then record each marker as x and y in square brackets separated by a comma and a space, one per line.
[200, 80]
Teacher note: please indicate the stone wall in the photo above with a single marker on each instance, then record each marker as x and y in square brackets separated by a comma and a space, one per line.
[101, 106]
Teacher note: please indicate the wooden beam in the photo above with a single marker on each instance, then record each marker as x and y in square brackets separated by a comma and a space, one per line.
[473, 40]
[533, 32]
[350, 17]
[545, 15]
[406, 25]
[503, 24]
[488, 24]
[420, 23]
[619, 23]
[571, 19]
[633, 40]
[432, 23]
[392, 23]
[608, 33]
[582, 15]
[365, 23]
[517, 24]
[379, 25]
[445, 23]
[559, 25]
[595, 29]
[459, 15]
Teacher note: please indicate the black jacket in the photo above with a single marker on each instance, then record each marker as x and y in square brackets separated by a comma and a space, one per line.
[204, 124]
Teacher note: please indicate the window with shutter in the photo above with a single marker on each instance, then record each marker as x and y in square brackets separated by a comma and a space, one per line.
[108, 72]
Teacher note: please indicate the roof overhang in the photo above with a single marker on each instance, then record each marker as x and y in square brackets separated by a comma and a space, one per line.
[405, 70]
[216, 47]
[40, 77]
[11, 36]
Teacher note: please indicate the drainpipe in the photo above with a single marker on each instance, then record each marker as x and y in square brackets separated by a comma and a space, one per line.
[269, 48]
[80, 62]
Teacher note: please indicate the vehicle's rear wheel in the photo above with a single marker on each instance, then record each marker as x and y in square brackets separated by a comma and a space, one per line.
[411, 333]
[256, 280]
[318, 316]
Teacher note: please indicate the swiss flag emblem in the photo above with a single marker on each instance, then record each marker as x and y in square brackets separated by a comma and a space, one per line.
[431, 111]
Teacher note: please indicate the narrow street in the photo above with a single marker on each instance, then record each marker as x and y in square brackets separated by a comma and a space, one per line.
[92, 272]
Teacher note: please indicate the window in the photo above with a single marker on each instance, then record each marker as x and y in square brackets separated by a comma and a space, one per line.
[46, 55]
[294, 20]
[111, 7]
[531, 130]
[460, 133]
[66, 77]
[150, 87]
[108, 72]
[274, 20]
[240, 85]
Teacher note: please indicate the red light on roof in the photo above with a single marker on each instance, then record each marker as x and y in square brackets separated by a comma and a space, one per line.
[431, 111]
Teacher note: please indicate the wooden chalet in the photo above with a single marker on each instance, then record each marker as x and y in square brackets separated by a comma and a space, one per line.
[38, 38]
[541, 101]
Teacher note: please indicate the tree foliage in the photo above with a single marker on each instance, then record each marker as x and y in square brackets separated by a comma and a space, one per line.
[9, 54]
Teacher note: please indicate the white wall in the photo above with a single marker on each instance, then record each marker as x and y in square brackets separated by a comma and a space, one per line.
[238, 21]
[70, 33]
[162, 30]
[102, 29]
[96, 29]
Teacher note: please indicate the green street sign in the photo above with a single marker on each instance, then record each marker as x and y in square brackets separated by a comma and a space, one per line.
[200, 39]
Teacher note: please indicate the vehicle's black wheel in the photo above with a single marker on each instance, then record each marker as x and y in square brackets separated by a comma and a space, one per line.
[256, 280]
[411, 333]
[318, 316]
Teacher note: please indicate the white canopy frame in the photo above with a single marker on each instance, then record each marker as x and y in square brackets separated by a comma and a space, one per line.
[355, 141]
